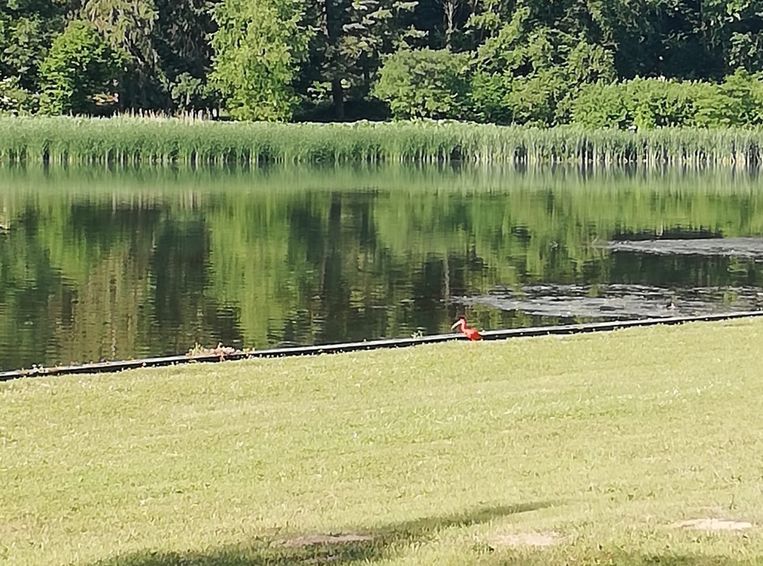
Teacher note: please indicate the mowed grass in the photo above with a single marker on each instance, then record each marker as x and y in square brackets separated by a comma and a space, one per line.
[461, 453]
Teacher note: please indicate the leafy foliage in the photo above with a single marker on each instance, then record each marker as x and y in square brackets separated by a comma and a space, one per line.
[654, 103]
[79, 67]
[346, 52]
[424, 83]
[529, 60]
[15, 99]
[181, 39]
[27, 28]
[527, 73]
[738, 101]
[190, 93]
[258, 47]
[128, 26]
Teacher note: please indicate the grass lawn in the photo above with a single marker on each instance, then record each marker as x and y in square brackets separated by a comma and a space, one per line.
[584, 449]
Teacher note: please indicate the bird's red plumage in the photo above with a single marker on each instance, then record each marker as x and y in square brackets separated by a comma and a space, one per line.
[468, 331]
[472, 334]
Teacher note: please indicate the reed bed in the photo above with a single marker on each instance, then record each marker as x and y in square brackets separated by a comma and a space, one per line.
[133, 140]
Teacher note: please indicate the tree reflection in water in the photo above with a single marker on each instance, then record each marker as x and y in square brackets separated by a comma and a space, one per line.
[101, 264]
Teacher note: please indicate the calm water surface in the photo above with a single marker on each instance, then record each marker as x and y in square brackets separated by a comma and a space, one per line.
[98, 264]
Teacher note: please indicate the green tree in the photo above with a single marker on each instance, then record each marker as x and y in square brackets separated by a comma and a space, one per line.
[258, 47]
[734, 29]
[528, 72]
[129, 26]
[190, 93]
[27, 28]
[181, 40]
[79, 67]
[346, 52]
[166, 46]
[425, 83]
[602, 105]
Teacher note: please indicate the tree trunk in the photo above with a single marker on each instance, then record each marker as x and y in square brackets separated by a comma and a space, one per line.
[337, 93]
[332, 27]
[449, 8]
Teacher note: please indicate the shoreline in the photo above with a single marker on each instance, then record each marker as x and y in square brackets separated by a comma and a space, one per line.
[117, 366]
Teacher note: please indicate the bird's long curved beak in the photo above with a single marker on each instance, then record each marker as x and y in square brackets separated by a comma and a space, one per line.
[455, 324]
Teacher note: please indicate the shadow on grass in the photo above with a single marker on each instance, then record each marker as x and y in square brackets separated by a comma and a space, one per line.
[370, 546]
[366, 546]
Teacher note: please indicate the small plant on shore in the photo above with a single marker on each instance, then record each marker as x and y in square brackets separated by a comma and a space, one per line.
[200, 351]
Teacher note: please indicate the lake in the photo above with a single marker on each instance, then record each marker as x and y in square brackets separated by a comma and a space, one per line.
[100, 264]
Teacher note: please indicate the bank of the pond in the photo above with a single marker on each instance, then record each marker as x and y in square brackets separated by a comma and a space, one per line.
[583, 449]
[129, 140]
[221, 355]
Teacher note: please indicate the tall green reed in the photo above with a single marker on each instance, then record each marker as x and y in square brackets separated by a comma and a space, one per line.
[134, 139]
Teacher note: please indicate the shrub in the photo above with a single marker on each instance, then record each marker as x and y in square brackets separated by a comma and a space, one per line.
[535, 100]
[14, 99]
[662, 103]
[602, 105]
[738, 101]
[425, 83]
[657, 103]
[79, 66]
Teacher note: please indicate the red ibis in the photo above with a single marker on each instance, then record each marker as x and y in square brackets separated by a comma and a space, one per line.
[468, 331]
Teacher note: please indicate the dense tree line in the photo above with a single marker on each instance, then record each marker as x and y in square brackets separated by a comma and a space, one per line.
[596, 62]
